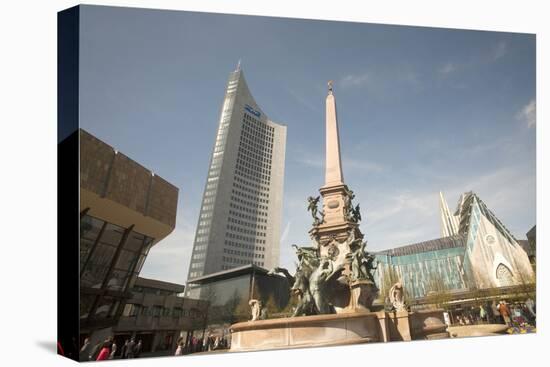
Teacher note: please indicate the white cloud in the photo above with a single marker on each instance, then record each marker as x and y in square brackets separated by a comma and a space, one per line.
[528, 114]
[447, 68]
[356, 80]
[397, 217]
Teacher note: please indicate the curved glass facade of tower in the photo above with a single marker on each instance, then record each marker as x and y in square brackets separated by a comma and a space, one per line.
[240, 217]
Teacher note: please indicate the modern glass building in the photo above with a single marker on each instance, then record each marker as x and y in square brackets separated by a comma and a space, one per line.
[125, 210]
[229, 289]
[240, 217]
[481, 254]
[434, 265]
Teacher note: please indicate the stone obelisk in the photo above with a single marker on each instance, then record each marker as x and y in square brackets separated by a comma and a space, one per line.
[338, 219]
[333, 168]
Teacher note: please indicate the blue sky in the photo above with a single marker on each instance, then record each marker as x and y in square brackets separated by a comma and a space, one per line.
[420, 110]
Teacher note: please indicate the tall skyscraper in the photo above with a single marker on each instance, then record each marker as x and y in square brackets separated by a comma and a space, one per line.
[240, 216]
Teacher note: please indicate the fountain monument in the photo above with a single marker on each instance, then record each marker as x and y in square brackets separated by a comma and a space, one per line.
[333, 280]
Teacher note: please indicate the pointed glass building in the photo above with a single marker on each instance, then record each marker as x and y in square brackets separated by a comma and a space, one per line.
[476, 251]
[240, 217]
[493, 256]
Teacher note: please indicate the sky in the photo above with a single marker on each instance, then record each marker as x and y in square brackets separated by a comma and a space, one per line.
[420, 110]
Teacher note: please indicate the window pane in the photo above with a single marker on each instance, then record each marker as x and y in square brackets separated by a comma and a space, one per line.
[114, 309]
[86, 302]
[96, 269]
[112, 235]
[134, 242]
[130, 310]
[90, 227]
[104, 308]
[157, 311]
[126, 260]
[85, 248]
[118, 280]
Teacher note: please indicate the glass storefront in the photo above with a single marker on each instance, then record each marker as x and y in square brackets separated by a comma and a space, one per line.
[228, 298]
[221, 292]
[111, 257]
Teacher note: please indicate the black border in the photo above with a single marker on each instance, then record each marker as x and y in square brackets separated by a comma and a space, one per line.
[68, 218]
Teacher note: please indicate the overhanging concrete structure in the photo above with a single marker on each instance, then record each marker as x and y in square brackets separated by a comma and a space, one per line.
[121, 191]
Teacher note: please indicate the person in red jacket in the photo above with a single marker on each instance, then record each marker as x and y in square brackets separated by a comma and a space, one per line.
[105, 350]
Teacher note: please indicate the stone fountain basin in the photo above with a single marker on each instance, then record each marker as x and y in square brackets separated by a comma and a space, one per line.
[295, 332]
[477, 330]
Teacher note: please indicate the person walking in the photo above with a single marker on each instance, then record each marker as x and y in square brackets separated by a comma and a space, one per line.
[124, 349]
[137, 351]
[194, 342]
[505, 313]
[113, 351]
[130, 350]
[482, 314]
[95, 351]
[496, 313]
[179, 349]
[530, 304]
[84, 354]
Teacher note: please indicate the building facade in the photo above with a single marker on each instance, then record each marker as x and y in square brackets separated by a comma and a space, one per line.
[240, 217]
[125, 210]
[478, 252]
[530, 246]
[493, 256]
[228, 292]
[429, 266]
[158, 315]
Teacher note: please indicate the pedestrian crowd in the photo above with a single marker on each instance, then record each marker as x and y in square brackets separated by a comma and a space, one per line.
[501, 312]
[107, 349]
[206, 344]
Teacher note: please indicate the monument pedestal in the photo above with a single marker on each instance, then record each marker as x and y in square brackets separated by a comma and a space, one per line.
[427, 325]
[399, 326]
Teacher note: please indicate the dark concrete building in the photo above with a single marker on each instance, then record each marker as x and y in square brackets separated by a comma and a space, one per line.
[158, 315]
[125, 210]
